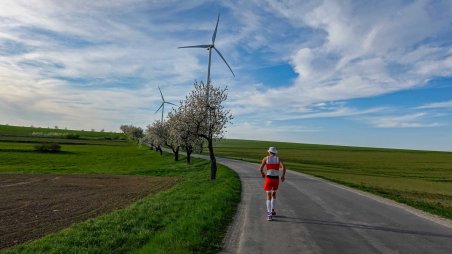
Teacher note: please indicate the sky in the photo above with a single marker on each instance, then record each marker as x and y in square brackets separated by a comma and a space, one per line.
[355, 73]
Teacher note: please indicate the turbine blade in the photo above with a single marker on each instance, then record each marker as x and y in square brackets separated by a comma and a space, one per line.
[161, 105]
[215, 32]
[161, 94]
[170, 103]
[195, 46]
[224, 61]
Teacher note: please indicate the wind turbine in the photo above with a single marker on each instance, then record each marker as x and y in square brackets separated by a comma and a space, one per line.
[162, 106]
[209, 47]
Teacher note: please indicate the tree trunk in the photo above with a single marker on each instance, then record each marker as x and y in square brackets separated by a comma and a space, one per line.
[176, 154]
[189, 150]
[159, 148]
[213, 161]
[201, 147]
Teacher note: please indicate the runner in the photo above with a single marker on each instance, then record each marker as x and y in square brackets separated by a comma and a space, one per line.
[272, 163]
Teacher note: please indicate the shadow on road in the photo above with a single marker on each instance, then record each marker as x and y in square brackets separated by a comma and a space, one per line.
[286, 219]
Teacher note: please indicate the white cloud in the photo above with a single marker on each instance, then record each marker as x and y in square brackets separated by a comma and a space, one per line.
[266, 131]
[336, 112]
[368, 49]
[434, 105]
[53, 102]
[403, 121]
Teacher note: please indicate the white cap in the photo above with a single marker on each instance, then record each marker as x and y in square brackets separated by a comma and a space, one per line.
[272, 150]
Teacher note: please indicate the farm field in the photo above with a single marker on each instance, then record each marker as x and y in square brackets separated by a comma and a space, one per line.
[150, 203]
[34, 205]
[422, 179]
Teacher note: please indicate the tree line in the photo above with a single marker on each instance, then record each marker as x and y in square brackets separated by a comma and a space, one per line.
[199, 120]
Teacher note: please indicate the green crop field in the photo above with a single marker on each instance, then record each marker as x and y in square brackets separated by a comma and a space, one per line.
[190, 217]
[422, 179]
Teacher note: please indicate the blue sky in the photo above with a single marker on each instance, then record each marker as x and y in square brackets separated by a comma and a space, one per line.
[364, 73]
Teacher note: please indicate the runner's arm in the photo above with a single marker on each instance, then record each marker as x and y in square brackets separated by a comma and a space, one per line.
[283, 177]
[264, 161]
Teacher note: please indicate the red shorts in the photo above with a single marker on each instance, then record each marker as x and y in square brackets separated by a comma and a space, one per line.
[271, 184]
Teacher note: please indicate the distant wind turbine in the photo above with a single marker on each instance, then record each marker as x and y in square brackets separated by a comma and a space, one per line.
[162, 106]
[209, 47]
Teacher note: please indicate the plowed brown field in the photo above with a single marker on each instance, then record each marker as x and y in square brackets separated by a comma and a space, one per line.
[32, 206]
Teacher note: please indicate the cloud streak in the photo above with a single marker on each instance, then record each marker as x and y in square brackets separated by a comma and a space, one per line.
[403, 121]
[437, 105]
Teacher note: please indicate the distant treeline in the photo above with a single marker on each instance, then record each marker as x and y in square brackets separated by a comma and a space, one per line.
[8, 130]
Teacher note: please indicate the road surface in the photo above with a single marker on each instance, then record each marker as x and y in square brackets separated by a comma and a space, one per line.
[317, 216]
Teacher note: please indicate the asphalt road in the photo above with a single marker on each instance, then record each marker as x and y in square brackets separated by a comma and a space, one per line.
[317, 216]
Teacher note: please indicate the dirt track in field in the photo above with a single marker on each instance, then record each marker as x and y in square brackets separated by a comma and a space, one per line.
[32, 206]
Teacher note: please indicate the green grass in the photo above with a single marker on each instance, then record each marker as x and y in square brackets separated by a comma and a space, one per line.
[116, 158]
[189, 218]
[422, 179]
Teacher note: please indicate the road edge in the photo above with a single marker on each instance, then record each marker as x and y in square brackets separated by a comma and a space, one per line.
[231, 242]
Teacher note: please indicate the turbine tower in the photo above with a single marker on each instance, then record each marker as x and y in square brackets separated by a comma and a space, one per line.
[162, 106]
[209, 47]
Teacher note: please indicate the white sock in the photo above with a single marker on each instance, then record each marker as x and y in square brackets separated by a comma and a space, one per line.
[269, 206]
[272, 203]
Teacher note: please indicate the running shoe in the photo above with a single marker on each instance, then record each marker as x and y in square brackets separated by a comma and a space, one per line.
[269, 216]
[273, 212]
